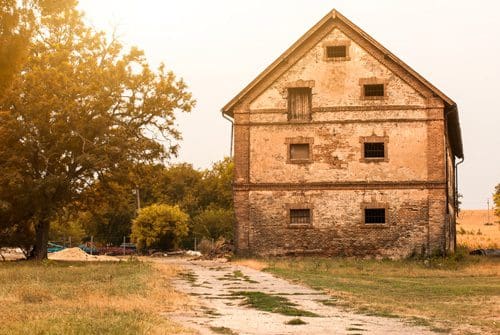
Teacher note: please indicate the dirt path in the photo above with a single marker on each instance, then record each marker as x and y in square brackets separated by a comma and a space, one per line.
[222, 310]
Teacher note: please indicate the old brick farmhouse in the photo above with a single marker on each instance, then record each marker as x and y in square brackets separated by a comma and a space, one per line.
[340, 148]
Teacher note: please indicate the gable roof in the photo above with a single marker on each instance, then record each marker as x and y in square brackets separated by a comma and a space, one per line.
[332, 18]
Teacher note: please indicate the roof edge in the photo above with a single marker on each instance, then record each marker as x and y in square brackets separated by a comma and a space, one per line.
[228, 107]
[450, 105]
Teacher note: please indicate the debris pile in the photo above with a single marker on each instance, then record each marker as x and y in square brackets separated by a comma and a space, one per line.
[207, 250]
[221, 249]
[78, 255]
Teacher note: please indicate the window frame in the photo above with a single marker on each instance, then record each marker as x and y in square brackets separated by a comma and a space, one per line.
[289, 107]
[367, 86]
[367, 149]
[372, 81]
[374, 139]
[342, 43]
[299, 206]
[375, 205]
[289, 141]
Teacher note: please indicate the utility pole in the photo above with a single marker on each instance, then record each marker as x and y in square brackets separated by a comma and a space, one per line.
[138, 198]
[488, 201]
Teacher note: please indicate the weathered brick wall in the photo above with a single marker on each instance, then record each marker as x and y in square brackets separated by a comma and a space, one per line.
[337, 227]
[412, 182]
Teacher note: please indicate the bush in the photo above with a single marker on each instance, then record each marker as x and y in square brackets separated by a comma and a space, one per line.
[159, 226]
[214, 223]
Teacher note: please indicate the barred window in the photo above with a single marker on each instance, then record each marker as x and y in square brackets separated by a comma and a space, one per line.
[374, 150]
[337, 51]
[373, 90]
[299, 103]
[300, 216]
[374, 215]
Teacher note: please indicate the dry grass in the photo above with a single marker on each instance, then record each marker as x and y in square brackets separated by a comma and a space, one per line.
[88, 298]
[460, 296]
[473, 232]
[251, 263]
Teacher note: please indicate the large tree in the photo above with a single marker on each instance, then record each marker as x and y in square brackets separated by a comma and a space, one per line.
[79, 108]
[15, 31]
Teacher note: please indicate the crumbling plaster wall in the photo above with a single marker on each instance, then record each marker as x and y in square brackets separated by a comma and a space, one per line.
[336, 83]
[337, 153]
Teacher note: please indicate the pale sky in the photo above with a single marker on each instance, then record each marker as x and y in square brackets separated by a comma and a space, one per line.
[219, 46]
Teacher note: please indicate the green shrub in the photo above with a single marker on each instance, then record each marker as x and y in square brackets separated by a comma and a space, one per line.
[159, 226]
[214, 223]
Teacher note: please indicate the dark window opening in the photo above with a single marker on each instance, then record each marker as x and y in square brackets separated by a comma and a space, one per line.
[300, 216]
[374, 215]
[337, 51]
[299, 103]
[299, 151]
[374, 90]
[374, 150]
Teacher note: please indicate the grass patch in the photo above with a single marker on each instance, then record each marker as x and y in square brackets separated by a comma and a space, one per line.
[210, 311]
[351, 329]
[296, 322]
[461, 292]
[52, 297]
[223, 330]
[237, 275]
[189, 276]
[330, 302]
[272, 303]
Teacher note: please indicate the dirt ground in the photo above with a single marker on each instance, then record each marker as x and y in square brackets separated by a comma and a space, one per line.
[213, 285]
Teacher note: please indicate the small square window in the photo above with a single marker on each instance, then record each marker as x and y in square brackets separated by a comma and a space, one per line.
[300, 216]
[299, 151]
[337, 51]
[374, 149]
[374, 215]
[373, 90]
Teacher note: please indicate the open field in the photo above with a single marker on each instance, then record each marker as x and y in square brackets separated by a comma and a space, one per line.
[88, 298]
[473, 232]
[461, 297]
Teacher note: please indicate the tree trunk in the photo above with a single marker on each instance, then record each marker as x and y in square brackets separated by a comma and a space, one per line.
[39, 251]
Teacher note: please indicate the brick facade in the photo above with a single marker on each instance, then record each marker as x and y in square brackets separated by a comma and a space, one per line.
[413, 182]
